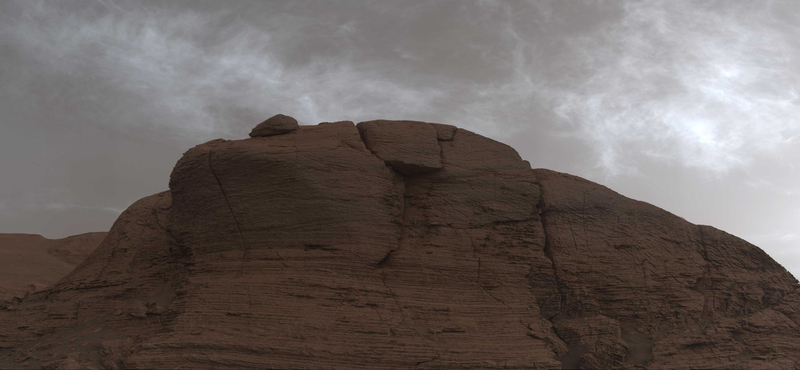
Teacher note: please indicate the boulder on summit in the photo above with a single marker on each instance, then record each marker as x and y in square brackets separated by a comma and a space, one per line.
[275, 125]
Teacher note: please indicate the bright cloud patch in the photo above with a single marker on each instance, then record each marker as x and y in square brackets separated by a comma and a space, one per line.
[684, 81]
[188, 72]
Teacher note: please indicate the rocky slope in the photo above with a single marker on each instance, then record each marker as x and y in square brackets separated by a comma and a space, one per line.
[31, 262]
[397, 245]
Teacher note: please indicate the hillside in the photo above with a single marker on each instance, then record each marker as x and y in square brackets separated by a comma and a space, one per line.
[31, 262]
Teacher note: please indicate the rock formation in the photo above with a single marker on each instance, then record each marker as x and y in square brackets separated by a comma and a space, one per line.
[275, 125]
[398, 245]
[30, 262]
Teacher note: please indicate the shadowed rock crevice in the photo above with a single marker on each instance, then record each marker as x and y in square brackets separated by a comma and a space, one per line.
[408, 147]
[230, 209]
[402, 224]
[445, 132]
[386, 260]
[395, 143]
[568, 358]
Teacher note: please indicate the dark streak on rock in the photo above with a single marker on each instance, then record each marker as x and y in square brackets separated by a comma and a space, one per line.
[227, 202]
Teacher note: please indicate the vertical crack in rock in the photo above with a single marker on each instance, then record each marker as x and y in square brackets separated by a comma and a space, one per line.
[228, 203]
[583, 217]
[572, 231]
[394, 298]
[403, 215]
[363, 140]
[441, 150]
[548, 252]
[704, 286]
[386, 260]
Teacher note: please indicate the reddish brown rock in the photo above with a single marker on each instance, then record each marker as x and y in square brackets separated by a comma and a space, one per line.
[275, 125]
[305, 250]
[31, 262]
[640, 286]
[66, 324]
[444, 132]
[409, 147]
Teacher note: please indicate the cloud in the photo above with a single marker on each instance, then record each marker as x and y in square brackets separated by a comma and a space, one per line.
[53, 199]
[684, 82]
[680, 82]
[762, 184]
[196, 75]
[61, 206]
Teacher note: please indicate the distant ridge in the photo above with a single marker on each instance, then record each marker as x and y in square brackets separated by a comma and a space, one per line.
[29, 262]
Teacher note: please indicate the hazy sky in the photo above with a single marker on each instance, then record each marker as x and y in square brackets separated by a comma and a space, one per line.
[689, 105]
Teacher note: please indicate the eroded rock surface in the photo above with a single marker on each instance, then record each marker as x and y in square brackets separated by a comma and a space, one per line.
[397, 245]
[275, 125]
[640, 286]
[408, 147]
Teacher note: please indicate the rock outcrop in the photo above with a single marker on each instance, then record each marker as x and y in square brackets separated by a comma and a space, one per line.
[407, 147]
[31, 262]
[397, 245]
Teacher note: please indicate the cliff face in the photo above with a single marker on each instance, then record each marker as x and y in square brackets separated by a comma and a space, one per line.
[395, 244]
[31, 262]
[638, 285]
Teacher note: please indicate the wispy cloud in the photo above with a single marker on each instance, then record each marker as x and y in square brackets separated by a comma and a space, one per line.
[61, 206]
[687, 82]
[55, 199]
[196, 75]
[762, 184]
[694, 83]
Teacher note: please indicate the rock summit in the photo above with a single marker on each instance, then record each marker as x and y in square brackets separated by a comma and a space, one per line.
[275, 125]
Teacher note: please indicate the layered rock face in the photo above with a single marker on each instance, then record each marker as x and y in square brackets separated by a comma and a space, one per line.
[31, 262]
[640, 286]
[397, 245]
